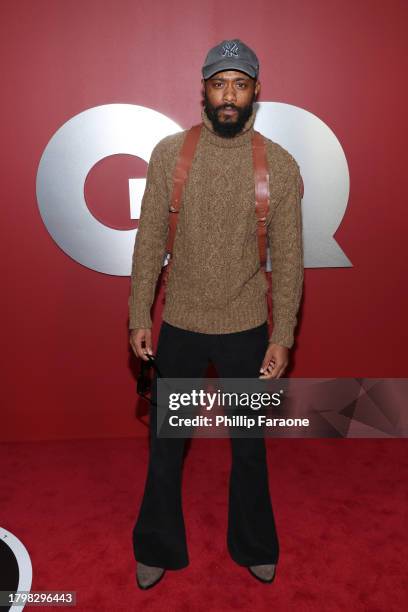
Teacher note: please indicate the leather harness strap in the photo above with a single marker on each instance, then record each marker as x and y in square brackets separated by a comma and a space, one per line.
[181, 171]
[261, 175]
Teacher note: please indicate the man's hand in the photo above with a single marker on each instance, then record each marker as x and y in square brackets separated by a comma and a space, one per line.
[275, 361]
[137, 338]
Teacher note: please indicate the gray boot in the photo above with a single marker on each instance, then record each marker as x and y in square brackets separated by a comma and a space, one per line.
[147, 575]
[264, 573]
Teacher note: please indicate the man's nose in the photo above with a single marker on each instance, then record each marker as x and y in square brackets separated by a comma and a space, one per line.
[229, 93]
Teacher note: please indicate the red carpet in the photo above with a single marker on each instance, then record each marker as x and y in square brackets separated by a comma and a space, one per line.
[340, 507]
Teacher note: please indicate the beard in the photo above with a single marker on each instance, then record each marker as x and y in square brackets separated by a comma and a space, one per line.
[228, 129]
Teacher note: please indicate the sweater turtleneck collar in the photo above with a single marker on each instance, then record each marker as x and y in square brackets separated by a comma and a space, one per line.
[241, 139]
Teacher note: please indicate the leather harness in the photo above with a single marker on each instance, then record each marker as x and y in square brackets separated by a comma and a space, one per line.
[261, 176]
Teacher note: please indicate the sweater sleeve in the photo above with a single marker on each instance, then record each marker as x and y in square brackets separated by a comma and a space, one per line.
[286, 248]
[150, 244]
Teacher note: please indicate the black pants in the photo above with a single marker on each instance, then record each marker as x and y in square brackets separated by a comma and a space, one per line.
[159, 537]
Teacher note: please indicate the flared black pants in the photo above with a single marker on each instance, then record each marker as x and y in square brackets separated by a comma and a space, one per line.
[159, 537]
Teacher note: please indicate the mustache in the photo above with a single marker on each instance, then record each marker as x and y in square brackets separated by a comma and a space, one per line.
[226, 107]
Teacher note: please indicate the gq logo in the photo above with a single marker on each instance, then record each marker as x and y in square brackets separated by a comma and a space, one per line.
[134, 130]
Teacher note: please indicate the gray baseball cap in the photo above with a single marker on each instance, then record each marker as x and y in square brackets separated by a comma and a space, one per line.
[231, 55]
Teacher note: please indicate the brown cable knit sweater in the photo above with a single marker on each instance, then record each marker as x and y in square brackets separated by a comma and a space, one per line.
[216, 285]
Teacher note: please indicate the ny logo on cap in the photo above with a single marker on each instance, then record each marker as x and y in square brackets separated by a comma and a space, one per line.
[230, 49]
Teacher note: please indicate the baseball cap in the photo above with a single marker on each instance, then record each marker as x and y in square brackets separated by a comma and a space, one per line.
[231, 55]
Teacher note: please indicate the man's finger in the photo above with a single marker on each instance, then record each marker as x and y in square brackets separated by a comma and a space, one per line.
[133, 344]
[139, 338]
[267, 363]
[275, 370]
[141, 352]
[268, 371]
[148, 342]
[281, 370]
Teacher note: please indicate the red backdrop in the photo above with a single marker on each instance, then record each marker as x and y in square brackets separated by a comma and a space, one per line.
[66, 367]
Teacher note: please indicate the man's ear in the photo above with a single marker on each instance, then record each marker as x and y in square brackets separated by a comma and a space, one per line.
[257, 88]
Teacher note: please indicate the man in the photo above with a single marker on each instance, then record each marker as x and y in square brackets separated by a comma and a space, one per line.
[216, 308]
